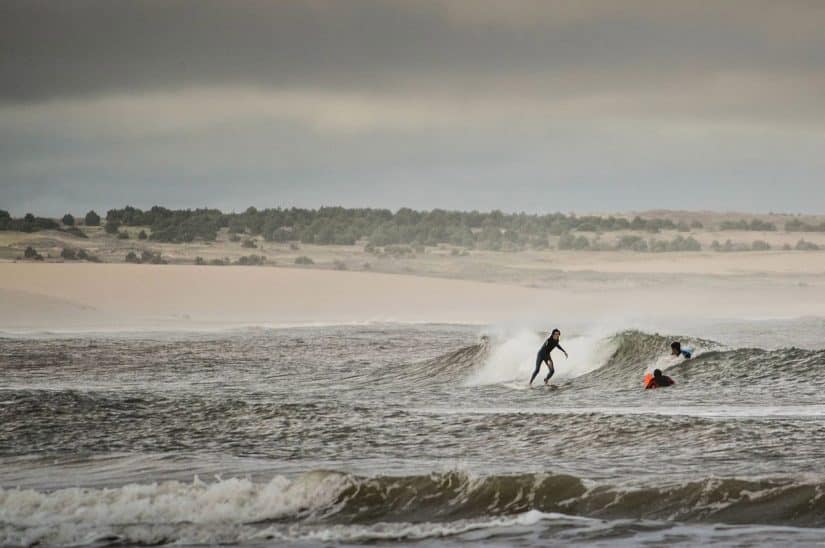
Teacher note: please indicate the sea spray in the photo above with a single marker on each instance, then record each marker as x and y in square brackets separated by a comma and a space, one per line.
[512, 357]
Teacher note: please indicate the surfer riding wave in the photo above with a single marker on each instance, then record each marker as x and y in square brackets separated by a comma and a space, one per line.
[544, 356]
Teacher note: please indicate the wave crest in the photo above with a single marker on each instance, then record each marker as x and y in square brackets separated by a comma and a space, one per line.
[235, 509]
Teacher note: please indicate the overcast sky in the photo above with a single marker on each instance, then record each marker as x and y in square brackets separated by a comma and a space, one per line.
[479, 104]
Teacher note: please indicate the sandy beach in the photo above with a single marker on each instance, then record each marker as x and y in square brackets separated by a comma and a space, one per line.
[66, 296]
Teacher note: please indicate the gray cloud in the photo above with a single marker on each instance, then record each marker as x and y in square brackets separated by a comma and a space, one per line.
[426, 103]
[58, 49]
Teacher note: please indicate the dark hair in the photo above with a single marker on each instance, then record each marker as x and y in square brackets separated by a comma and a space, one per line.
[555, 331]
[657, 373]
[676, 345]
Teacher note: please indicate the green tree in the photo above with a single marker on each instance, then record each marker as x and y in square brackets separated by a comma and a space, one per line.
[112, 227]
[68, 219]
[92, 219]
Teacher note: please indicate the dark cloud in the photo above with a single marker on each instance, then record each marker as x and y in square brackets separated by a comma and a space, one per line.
[586, 105]
[58, 49]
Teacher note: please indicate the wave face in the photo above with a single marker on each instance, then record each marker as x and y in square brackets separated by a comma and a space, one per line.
[617, 361]
[430, 434]
[343, 505]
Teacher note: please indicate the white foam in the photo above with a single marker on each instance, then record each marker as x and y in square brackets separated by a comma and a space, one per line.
[415, 531]
[78, 515]
[512, 357]
[224, 511]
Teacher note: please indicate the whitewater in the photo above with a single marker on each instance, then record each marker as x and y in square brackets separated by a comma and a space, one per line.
[423, 434]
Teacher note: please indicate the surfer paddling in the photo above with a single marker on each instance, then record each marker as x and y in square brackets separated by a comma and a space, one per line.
[658, 380]
[544, 355]
[677, 350]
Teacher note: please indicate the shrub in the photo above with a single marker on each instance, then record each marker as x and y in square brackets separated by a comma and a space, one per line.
[730, 246]
[92, 219]
[112, 227]
[742, 224]
[199, 261]
[74, 231]
[68, 219]
[69, 254]
[760, 245]
[251, 260]
[802, 245]
[632, 243]
[149, 257]
[217, 262]
[132, 258]
[123, 235]
[304, 260]
[679, 243]
[568, 241]
[142, 235]
[277, 234]
[31, 253]
[249, 244]
[685, 244]
[398, 250]
[29, 223]
[795, 225]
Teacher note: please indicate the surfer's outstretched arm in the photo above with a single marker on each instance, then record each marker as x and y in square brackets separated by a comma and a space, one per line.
[562, 349]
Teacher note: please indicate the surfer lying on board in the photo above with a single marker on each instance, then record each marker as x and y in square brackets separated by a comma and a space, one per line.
[544, 355]
[658, 380]
[677, 350]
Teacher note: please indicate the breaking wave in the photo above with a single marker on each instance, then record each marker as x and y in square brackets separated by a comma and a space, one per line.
[337, 507]
[618, 361]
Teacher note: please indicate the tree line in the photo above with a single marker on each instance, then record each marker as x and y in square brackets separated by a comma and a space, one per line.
[493, 230]
[381, 227]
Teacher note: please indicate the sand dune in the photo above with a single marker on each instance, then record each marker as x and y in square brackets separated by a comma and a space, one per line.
[121, 296]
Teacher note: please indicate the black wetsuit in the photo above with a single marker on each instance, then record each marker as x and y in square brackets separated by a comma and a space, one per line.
[544, 354]
[660, 382]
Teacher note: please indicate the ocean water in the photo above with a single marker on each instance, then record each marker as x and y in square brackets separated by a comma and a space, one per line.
[413, 434]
